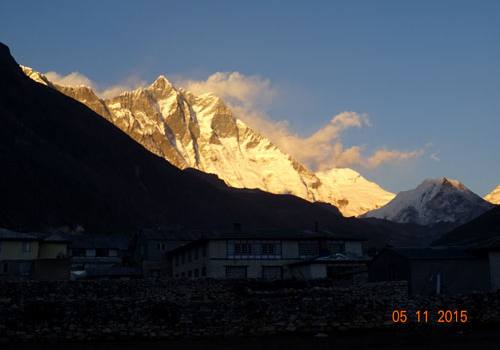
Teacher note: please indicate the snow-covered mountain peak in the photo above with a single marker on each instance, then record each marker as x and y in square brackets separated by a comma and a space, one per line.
[340, 175]
[493, 196]
[202, 132]
[433, 201]
[36, 76]
[443, 181]
[161, 83]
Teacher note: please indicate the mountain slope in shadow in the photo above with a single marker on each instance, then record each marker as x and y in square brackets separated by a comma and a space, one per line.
[64, 165]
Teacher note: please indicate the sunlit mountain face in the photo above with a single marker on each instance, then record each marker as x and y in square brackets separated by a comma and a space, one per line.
[202, 132]
[493, 196]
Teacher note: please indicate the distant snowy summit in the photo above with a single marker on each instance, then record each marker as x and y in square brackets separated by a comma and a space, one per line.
[433, 201]
[493, 196]
[202, 132]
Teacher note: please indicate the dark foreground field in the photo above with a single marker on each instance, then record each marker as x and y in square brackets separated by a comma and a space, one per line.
[481, 339]
[154, 314]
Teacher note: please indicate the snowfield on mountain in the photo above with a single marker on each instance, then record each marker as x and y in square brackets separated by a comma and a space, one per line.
[433, 201]
[493, 196]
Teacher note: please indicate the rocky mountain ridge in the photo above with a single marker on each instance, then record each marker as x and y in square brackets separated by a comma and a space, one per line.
[202, 132]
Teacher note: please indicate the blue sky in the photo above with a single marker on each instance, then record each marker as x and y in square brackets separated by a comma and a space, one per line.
[425, 72]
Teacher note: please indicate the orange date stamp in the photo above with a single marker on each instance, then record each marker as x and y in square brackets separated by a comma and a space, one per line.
[401, 316]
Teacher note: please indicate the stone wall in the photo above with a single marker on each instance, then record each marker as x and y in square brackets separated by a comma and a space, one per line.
[161, 309]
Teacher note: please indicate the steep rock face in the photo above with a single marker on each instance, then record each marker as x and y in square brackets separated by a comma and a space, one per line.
[434, 201]
[493, 196]
[201, 132]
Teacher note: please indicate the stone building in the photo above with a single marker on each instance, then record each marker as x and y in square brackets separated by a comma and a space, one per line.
[263, 254]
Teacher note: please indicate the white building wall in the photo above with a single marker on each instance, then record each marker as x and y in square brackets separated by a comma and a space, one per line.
[308, 272]
[217, 268]
[197, 262]
[216, 261]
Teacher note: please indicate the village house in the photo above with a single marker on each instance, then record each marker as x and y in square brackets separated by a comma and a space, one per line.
[490, 248]
[101, 256]
[343, 267]
[432, 271]
[151, 247]
[264, 254]
[33, 256]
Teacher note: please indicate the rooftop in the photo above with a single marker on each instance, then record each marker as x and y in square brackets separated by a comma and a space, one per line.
[338, 258]
[264, 234]
[435, 253]
[8, 235]
[93, 241]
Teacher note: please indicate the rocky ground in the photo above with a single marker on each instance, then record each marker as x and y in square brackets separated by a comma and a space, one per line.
[160, 310]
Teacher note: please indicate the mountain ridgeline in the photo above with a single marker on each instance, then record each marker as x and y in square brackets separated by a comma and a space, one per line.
[434, 201]
[202, 132]
[64, 165]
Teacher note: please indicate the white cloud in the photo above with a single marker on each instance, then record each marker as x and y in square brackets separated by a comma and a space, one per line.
[71, 79]
[435, 157]
[78, 79]
[249, 95]
[251, 92]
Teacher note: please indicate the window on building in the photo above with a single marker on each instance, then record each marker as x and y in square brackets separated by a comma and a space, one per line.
[113, 252]
[183, 274]
[183, 258]
[77, 252]
[272, 272]
[176, 275]
[0, 247]
[196, 273]
[90, 253]
[335, 247]
[196, 253]
[203, 271]
[268, 249]
[25, 268]
[253, 249]
[26, 247]
[189, 256]
[236, 272]
[190, 273]
[101, 252]
[176, 259]
[308, 249]
[204, 251]
[5, 267]
[242, 248]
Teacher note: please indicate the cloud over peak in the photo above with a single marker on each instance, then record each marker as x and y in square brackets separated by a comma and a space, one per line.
[78, 79]
[249, 96]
